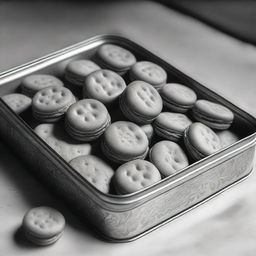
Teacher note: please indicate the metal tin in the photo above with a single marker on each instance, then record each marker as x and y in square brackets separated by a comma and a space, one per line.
[126, 217]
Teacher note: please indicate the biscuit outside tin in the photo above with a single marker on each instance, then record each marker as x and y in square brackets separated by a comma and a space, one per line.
[127, 217]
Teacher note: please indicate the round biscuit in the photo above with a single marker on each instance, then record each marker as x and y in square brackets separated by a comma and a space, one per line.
[203, 139]
[43, 222]
[177, 95]
[125, 141]
[213, 114]
[36, 82]
[17, 102]
[94, 170]
[103, 85]
[170, 125]
[77, 70]
[143, 98]
[149, 72]
[52, 99]
[134, 176]
[168, 157]
[173, 121]
[115, 57]
[87, 115]
[55, 136]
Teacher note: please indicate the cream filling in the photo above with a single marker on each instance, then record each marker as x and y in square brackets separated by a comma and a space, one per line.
[106, 65]
[87, 133]
[119, 157]
[199, 115]
[196, 154]
[167, 102]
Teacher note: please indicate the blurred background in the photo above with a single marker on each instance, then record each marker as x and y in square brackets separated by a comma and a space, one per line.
[234, 17]
[71, 21]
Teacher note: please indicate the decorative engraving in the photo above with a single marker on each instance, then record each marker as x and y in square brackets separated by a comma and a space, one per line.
[131, 223]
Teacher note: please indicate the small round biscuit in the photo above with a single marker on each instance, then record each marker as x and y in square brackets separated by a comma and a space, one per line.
[51, 103]
[149, 72]
[43, 225]
[134, 176]
[201, 141]
[19, 103]
[31, 84]
[168, 157]
[94, 170]
[140, 102]
[87, 119]
[124, 141]
[171, 126]
[103, 85]
[114, 57]
[56, 137]
[227, 138]
[213, 114]
[77, 70]
[178, 97]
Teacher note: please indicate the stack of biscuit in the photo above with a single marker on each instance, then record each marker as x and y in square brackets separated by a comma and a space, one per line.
[148, 72]
[51, 103]
[31, 84]
[140, 102]
[124, 141]
[115, 58]
[43, 225]
[77, 71]
[86, 120]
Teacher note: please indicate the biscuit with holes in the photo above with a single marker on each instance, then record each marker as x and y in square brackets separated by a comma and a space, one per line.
[124, 141]
[51, 103]
[134, 176]
[114, 57]
[213, 114]
[31, 84]
[171, 126]
[94, 170]
[149, 72]
[43, 225]
[56, 137]
[177, 97]
[77, 70]
[140, 102]
[87, 120]
[103, 85]
[201, 141]
[19, 103]
[227, 137]
[168, 157]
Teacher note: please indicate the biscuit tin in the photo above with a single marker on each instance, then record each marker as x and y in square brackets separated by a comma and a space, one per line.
[123, 218]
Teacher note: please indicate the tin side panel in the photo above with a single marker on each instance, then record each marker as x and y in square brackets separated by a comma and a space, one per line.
[128, 225]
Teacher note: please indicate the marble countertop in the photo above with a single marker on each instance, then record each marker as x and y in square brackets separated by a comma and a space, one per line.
[28, 30]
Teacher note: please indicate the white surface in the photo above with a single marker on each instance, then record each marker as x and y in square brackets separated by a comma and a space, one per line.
[226, 224]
